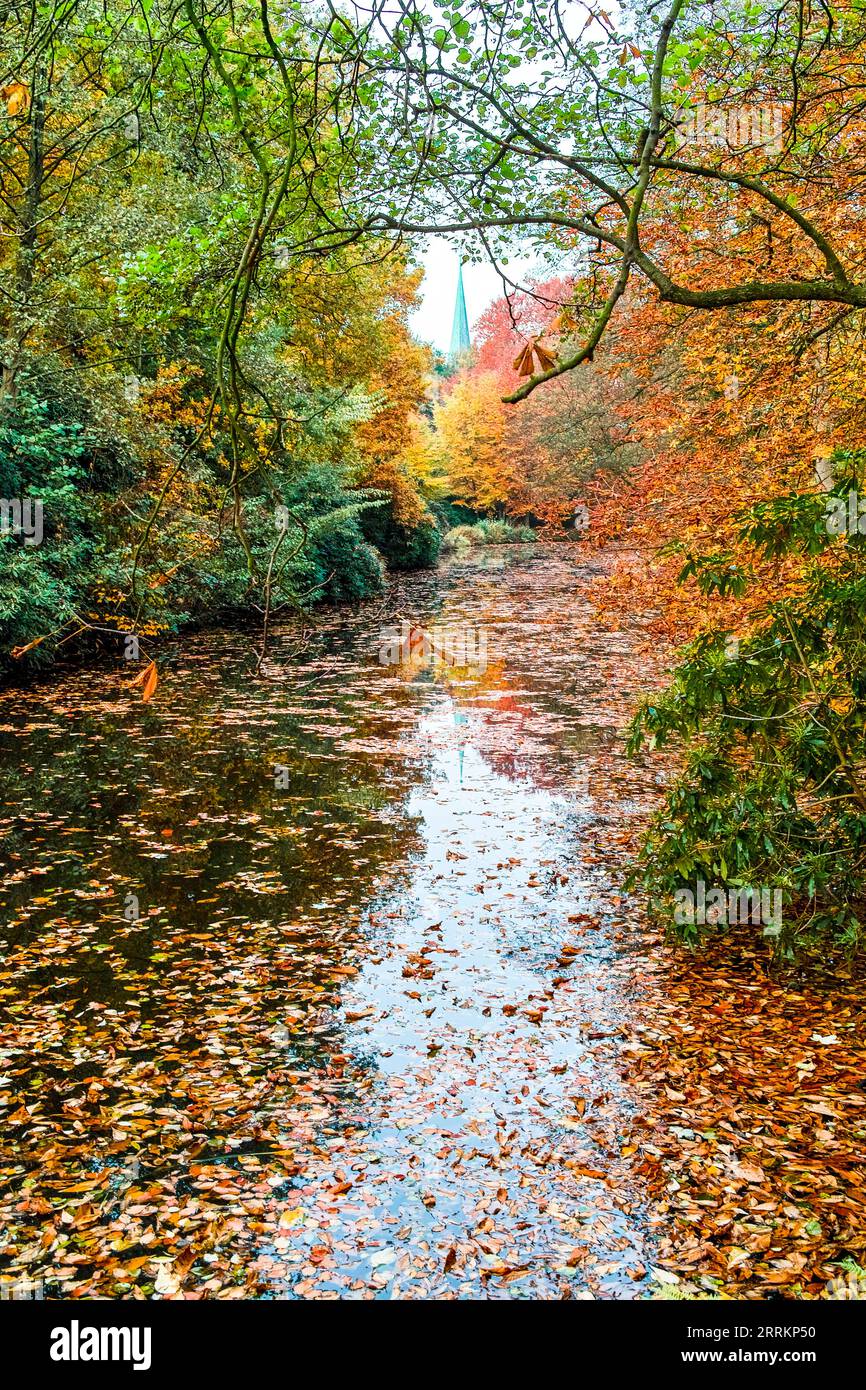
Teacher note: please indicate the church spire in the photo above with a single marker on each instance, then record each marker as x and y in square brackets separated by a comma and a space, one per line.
[461, 343]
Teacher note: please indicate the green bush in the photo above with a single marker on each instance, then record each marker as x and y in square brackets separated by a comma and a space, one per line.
[83, 565]
[42, 586]
[402, 547]
[337, 564]
[449, 515]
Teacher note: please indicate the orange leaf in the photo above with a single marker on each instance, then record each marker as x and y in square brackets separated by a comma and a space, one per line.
[17, 652]
[148, 680]
[16, 97]
[150, 684]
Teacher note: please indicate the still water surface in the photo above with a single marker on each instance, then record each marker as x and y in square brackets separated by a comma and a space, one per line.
[314, 985]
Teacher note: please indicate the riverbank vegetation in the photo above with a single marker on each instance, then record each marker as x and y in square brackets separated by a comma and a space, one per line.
[342, 942]
[216, 408]
[215, 423]
[210, 387]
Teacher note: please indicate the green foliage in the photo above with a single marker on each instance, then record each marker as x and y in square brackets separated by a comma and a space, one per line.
[77, 576]
[448, 515]
[489, 533]
[343, 566]
[772, 791]
[184, 350]
[403, 547]
[504, 533]
[42, 458]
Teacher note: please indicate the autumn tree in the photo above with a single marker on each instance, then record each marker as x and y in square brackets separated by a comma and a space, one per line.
[472, 425]
[568, 127]
[567, 434]
[184, 344]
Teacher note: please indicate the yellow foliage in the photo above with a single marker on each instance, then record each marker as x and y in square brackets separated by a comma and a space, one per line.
[472, 425]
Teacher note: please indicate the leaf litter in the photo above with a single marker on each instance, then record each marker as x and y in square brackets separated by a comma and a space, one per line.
[392, 1028]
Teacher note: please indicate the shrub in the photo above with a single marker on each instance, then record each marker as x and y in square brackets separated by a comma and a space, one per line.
[342, 563]
[82, 567]
[772, 792]
[493, 532]
[402, 547]
[461, 537]
[41, 586]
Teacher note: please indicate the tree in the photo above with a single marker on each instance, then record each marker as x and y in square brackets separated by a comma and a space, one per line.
[771, 795]
[619, 137]
[561, 437]
[177, 316]
[471, 423]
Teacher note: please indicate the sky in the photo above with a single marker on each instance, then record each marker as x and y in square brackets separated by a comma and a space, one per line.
[432, 321]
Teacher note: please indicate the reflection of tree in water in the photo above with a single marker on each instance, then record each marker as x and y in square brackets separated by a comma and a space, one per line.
[205, 1075]
[520, 736]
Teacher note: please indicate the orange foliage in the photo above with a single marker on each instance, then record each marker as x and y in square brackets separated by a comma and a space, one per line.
[524, 460]
[730, 411]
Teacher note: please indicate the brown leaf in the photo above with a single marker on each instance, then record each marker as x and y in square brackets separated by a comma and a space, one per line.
[522, 363]
[148, 679]
[749, 1172]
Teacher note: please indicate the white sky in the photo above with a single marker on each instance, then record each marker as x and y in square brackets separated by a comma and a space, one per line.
[432, 321]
